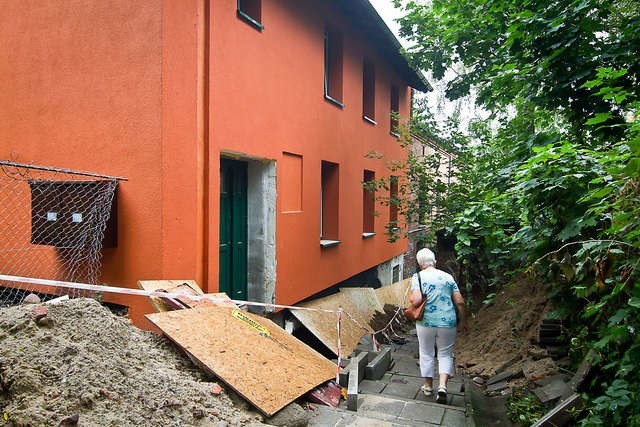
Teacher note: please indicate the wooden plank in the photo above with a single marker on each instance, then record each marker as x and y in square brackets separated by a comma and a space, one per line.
[154, 285]
[324, 325]
[394, 294]
[252, 355]
[365, 304]
[365, 299]
[583, 371]
[161, 306]
[560, 415]
[216, 295]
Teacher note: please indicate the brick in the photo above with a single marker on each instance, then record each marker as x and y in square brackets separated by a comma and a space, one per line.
[38, 312]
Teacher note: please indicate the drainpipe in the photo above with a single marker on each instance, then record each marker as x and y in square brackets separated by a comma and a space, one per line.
[203, 37]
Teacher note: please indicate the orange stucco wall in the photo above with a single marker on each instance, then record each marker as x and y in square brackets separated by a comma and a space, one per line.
[81, 89]
[268, 98]
[156, 91]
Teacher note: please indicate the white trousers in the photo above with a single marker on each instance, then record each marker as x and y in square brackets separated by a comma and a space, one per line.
[428, 339]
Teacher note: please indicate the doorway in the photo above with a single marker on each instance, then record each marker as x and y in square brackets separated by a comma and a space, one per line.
[233, 228]
[248, 229]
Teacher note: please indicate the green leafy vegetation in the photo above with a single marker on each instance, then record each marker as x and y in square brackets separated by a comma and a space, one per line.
[524, 407]
[550, 184]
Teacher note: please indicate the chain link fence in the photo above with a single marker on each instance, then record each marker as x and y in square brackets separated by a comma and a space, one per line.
[52, 226]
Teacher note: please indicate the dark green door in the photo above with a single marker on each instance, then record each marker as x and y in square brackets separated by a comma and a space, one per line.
[233, 228]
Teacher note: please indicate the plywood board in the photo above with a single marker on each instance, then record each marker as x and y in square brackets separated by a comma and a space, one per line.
[324, 325]
[217, 296]
[365, 299]
[154, 285]
[251, 354]
[161, 306]
[394, 294]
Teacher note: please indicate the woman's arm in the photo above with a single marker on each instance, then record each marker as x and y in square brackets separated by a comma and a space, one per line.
[415, 297]
[461, 309]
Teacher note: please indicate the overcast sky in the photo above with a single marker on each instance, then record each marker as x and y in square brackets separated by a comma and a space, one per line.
[388, 13]
[438, 104]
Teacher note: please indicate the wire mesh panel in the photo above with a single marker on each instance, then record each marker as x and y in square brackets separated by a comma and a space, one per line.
[52, 226]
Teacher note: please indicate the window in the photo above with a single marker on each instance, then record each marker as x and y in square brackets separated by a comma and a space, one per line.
[329, 193]
[251, 12]
[368, 92]
[394, 110]
[333, 67]
[393, 199]
[368, 203]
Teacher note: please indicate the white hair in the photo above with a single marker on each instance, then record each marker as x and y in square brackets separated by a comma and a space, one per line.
[425, 258]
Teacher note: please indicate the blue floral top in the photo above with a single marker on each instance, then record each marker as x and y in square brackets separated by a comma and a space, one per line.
[439, 311]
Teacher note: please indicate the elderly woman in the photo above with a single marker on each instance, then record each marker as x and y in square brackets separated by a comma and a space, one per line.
[438, 326]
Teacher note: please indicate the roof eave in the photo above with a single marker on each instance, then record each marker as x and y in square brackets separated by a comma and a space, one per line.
[365, 16]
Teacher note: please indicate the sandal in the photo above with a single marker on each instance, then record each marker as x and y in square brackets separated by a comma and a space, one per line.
[442, 395]
[428, 391]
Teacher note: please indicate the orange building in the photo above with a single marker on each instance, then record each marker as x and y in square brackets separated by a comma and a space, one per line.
[241, 125]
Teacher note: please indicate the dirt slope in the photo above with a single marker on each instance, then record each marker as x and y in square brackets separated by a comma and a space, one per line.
[502, 331]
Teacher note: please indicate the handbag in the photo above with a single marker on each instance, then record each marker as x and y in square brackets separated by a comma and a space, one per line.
[415, 313]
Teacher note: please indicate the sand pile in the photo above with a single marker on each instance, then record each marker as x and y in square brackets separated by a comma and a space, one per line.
[82, 365]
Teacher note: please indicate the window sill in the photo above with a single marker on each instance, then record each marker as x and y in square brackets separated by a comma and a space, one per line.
[333, 100]
[249, 20]
[329, 243]
[396, 134]
[369, 120]
[368, 235]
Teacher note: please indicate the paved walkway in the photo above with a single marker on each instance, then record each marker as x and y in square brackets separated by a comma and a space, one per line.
[396, 399]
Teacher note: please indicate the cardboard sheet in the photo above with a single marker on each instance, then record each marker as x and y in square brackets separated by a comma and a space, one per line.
[251, 354]
[324, 325]
[161, 306]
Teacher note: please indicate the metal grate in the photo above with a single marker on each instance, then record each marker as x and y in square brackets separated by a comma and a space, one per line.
[52, 226]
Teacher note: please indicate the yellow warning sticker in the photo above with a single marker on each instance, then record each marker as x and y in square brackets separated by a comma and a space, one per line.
[238, 314]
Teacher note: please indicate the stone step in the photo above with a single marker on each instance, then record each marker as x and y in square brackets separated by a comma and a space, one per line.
[381, 410]
[409, 389]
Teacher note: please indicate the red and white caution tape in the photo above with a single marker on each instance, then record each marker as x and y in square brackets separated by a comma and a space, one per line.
[145, 293]
[339, 313]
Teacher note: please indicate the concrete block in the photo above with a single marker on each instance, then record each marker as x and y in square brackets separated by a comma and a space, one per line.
[359, 365]
[356, 364]
[344, 377]
[352, 391]
[376, 368]
[552, 391]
